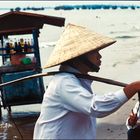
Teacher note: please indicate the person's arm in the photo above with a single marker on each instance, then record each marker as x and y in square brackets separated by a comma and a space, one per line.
[131, 89]
[74, 97]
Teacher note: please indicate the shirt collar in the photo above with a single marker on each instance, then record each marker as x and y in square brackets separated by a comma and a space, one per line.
[85, 82]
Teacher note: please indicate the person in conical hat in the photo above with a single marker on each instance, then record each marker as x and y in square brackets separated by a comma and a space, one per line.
[70, 107]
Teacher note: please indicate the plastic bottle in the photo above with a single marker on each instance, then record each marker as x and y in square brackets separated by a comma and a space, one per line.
[7, 46]
[18, 49]
[22, 44]
[29, 46]
[12, 48]
[25, 46]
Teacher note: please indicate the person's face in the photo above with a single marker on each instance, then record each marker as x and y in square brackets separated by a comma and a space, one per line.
[94, 57]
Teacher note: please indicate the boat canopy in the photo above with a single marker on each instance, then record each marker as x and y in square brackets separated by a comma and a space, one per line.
[16, 22]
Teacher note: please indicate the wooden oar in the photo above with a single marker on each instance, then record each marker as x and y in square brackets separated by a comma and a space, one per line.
[84, 76]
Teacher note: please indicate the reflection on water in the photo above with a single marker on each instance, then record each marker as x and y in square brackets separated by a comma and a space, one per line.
[18, 125]
[4, 130]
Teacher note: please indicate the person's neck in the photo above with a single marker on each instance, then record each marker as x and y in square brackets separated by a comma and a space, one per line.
[79, 68]
[68, 68]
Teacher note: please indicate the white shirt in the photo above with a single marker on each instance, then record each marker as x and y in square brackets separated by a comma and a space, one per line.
[70, 108]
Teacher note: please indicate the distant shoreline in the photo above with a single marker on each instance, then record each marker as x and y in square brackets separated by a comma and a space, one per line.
[77, 7]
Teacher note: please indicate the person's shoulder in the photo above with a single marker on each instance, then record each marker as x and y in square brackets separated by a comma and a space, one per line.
[66, 80]
[65, 75]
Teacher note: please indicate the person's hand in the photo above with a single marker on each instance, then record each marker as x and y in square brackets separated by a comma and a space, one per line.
[132, 89]
[132, 120]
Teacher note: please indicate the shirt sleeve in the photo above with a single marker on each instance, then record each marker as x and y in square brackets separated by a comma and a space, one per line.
[108, 103]
[76, 98]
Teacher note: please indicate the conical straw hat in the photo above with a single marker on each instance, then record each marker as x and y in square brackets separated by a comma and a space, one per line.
[75, 41]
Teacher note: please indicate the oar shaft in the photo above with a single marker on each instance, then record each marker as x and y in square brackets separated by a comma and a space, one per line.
[99, 79]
